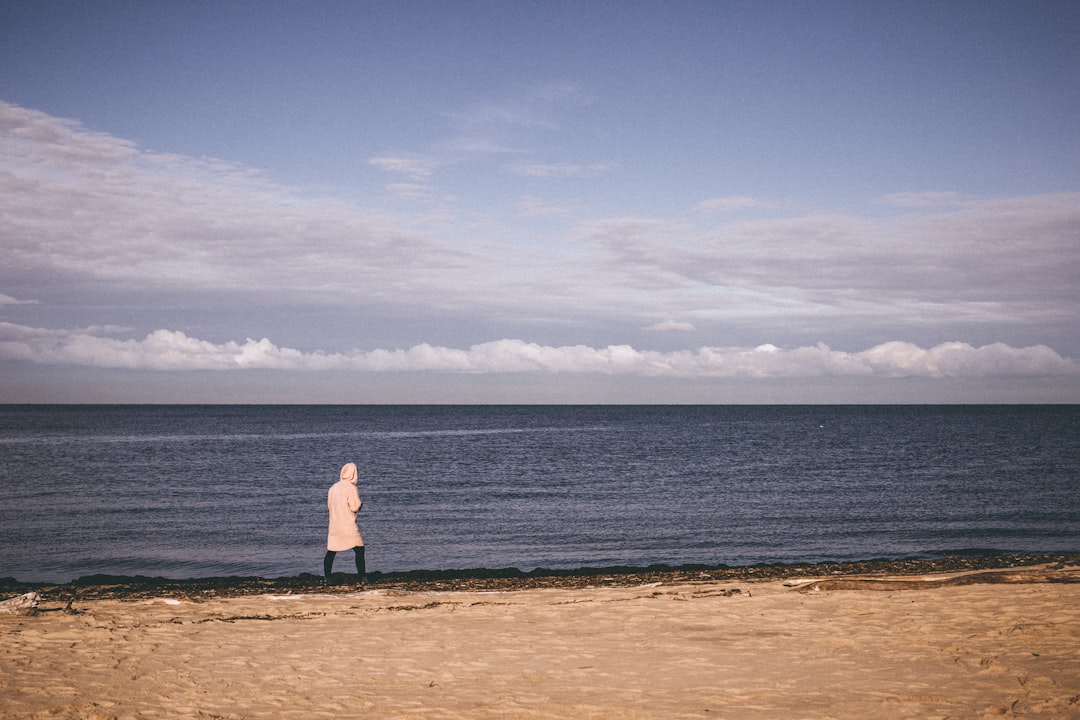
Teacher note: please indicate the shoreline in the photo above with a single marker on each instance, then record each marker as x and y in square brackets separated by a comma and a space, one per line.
[110, 587]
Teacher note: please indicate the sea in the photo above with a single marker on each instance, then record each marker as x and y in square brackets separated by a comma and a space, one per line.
[194, 491]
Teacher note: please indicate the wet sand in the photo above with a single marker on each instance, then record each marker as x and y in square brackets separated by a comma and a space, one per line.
[820, 641]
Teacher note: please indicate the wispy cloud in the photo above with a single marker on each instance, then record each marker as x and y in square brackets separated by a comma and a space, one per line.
[1008, 259]
[728, 203]
[920, 199]
[519, 122]
[532, 206]
[413, 167]
[104, 215]
[672, 326]
[167, 350]
[410, 191]
[529, 106]
[8, 300]
[557, 170]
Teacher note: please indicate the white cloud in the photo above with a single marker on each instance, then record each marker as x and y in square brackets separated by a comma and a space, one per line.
[168, 350]
[532, 206]
[410, 191]
[729, 203]
[60, 141]
[413, 167]
[919, 199]
[8, 300]
[556, 170]
[1007, 260]
[672, 326]
[83, 206]
[955, 359]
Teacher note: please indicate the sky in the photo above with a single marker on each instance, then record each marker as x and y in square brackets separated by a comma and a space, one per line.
[539, 202]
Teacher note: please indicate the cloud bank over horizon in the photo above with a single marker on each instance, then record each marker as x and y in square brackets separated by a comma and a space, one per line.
[167, 350]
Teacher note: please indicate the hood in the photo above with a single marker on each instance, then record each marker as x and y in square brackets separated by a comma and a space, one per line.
[348, 472]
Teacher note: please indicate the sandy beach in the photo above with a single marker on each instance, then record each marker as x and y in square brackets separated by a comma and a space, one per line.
[959, 645]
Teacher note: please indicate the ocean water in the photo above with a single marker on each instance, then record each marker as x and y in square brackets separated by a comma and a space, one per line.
[196, 491]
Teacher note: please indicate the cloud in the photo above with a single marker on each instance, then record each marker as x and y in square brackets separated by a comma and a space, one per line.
[169, 350]
[530, 106]
[8, 300]
[672, 326]
[85, 210]
[532, 206]
[729, 203]
[410, 191]
[412, 167]
[1006, 260]
[515, 122]
[556, 170]
[919, 199]
[95, 225]
[61, 141]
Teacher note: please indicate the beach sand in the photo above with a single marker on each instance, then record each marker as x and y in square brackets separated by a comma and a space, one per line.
[920, 648]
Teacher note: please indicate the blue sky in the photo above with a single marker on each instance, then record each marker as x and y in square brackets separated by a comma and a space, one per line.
[539, 202]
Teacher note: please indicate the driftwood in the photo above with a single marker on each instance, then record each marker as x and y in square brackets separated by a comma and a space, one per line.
[22, 605]
[1040, 575]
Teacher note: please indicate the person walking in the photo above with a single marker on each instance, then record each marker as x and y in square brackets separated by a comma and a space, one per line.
[343, 502]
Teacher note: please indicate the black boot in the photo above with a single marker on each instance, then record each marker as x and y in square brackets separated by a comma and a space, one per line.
[328, 566]
[361, 566]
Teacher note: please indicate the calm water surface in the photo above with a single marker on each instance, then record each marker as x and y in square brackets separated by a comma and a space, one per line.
[189, 491]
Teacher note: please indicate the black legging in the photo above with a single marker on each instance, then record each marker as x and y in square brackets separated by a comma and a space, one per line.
[361, 568]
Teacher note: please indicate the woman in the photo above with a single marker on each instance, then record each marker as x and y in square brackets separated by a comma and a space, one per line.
[343, 502]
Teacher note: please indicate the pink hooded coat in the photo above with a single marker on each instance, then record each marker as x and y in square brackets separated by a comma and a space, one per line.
[343, 501]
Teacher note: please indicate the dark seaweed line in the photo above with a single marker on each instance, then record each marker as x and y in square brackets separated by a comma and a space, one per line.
[94, 587]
